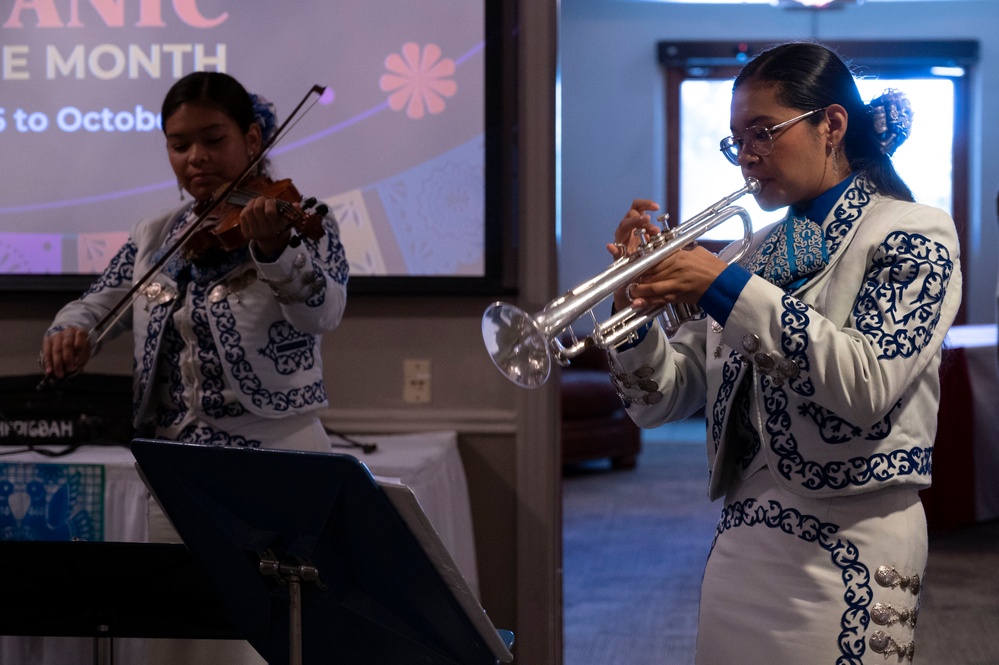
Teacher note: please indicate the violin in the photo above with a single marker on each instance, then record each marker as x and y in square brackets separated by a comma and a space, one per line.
[220, 229]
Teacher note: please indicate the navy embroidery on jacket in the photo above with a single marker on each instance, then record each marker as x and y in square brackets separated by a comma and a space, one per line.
[210, 436]
[290, 349]
[899, 305]
[847, 212]
[118, 272]
[834, 429]
[837, 474]
[247, 380]
[794, 343]
[213, 384]
[730, 373]
[170, 348]
[336, 258]
[146, 373]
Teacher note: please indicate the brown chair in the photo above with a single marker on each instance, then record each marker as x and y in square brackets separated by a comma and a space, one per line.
[594, 422]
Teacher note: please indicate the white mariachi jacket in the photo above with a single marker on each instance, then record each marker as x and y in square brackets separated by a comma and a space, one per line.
[843, 386]
[259, 325]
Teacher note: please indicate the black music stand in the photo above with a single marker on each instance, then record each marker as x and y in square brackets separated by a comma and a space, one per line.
[309, 541]
[107, 590]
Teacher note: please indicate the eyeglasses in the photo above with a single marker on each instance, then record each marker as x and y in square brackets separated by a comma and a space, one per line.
[759, 140]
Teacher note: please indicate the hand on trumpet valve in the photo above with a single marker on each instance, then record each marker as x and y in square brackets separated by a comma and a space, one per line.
[681, 277]
[632, 231]
[634, 228]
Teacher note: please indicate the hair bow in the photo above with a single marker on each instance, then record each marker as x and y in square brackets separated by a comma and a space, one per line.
[892, 115]
[265, 114]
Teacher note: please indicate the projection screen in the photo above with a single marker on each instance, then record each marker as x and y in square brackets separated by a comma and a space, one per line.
[397, 148]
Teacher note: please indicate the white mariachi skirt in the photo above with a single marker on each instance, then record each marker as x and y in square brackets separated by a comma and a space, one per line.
[812, 581]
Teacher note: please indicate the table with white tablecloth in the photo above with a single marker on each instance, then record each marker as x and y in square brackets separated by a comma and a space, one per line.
[95, 491]
[966, 450]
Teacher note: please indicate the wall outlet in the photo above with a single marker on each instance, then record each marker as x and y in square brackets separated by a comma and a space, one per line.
[416, 381]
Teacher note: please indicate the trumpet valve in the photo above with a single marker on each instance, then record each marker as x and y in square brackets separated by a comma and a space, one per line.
[675, 315]
[643, 237]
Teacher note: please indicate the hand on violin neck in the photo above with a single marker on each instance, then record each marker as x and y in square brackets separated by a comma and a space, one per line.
[263, 222]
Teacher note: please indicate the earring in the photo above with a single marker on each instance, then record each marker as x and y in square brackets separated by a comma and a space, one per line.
[180, 188]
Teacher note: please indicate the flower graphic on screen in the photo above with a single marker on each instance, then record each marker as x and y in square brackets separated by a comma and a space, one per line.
[418, 80]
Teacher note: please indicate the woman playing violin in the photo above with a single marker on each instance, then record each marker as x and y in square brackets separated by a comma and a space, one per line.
[227, 342]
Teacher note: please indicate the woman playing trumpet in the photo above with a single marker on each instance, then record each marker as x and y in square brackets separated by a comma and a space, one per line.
[817, 366]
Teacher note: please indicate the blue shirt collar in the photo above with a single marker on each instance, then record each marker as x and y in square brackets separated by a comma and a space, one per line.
[818, 208]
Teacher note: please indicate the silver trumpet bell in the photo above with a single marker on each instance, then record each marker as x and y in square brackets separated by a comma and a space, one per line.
[522, 345]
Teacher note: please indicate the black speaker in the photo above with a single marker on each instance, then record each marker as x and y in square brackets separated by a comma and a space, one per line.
[91, 409]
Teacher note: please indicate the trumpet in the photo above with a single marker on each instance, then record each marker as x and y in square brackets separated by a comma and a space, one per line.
[522, 345]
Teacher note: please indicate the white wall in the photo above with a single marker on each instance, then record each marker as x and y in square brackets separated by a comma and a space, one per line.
[612, 98]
